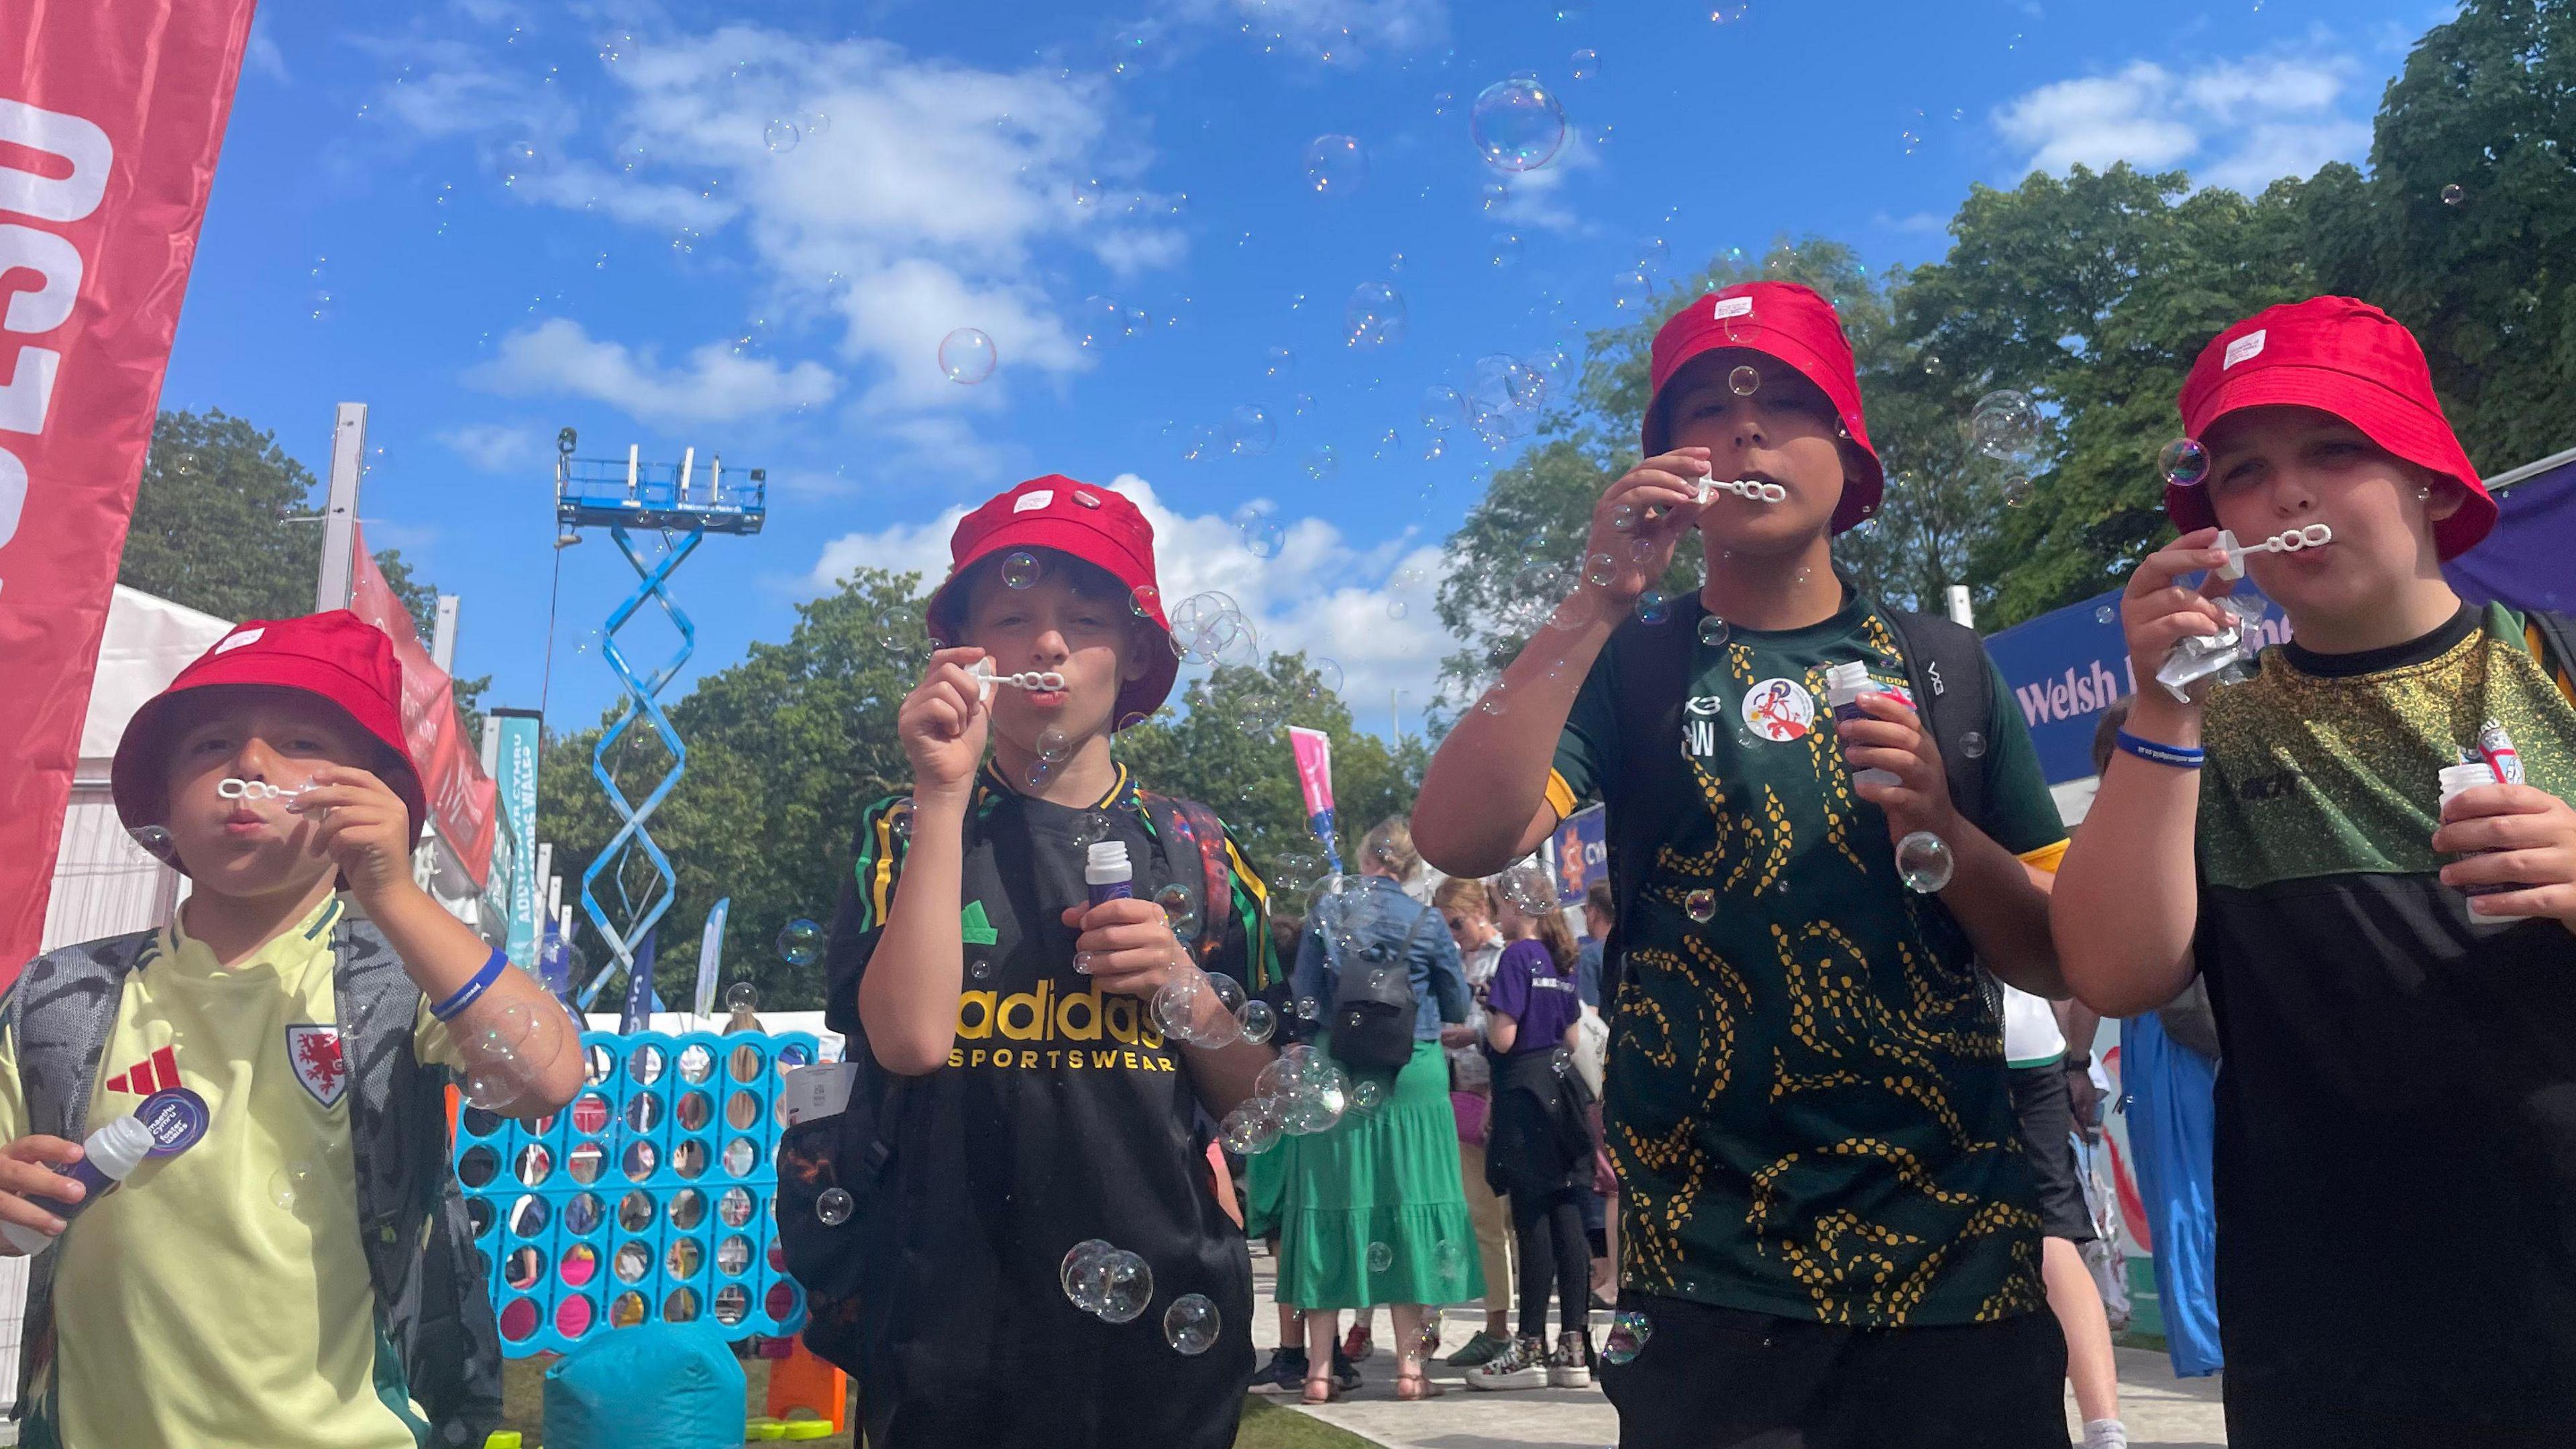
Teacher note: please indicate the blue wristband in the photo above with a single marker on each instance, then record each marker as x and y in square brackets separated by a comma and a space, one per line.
[2180, 757]
[472, 991]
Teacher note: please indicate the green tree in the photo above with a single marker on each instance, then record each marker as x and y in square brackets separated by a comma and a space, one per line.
[2092, 294]
[2464, 228]
[787, 747]
[220, 525]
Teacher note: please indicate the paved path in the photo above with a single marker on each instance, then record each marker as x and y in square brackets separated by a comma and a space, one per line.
[2162, 1412]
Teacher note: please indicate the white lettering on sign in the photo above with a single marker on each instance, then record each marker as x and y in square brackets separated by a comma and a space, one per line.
[26, 397]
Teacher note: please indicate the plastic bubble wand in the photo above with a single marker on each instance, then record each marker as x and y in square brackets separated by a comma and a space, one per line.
[232, 787]
[1751, 490]
[2315, 535]
[1033, 679]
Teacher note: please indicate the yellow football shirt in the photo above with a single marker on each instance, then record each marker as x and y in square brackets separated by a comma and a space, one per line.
[221, 1296]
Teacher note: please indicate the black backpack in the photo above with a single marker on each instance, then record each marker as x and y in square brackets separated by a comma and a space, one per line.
[1374, 1011]
[1946, 669]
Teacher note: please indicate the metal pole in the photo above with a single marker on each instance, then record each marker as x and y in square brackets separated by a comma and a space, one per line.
[491, 736]
[340, 513]
[442, 635]
[1962, 612]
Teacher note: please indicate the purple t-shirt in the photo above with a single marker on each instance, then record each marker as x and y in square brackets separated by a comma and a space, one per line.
[1527, 989]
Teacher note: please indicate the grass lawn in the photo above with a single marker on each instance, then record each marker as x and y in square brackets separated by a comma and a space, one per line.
[1265, 1424]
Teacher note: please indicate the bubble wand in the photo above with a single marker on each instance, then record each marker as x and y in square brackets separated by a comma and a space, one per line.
[1032, 679]
[2315, 535]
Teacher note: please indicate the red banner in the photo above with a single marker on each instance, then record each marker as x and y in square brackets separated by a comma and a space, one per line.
[460, 795]
[111, 116]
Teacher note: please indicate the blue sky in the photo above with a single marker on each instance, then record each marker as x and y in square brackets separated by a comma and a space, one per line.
[489, 219]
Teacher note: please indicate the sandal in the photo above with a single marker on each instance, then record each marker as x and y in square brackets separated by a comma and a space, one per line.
[1416, 1386]
[1320, 1389]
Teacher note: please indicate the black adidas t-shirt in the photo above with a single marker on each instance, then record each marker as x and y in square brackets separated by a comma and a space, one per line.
[1062, 1115]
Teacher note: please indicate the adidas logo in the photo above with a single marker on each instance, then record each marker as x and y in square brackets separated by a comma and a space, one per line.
[156, 1073]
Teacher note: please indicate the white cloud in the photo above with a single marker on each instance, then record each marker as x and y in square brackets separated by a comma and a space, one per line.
[558, 357]
[2238, 124]
[496, 447]
[1530, 198]
[1320, 594]
[1330, 29]
[262, 54]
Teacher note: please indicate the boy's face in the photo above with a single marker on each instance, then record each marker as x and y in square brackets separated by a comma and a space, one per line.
[251, 848]
[1080, 631]
[2282, 467]
[1782, 432]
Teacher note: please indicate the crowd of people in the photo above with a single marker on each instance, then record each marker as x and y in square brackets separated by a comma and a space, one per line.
[1823, 1046]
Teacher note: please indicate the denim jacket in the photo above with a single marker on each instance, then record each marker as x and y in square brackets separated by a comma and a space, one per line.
[1387, 917]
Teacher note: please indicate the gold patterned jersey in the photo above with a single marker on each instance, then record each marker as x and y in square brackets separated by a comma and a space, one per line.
[2396, 1130]
[1806, 1099]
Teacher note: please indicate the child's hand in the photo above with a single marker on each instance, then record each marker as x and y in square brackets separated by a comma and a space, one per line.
[1128, 946]
[25, 1173]
[1893, 739]
[1658, 501]
[2157, 611]
[942, 724]
[2533, 836]
[363, 826]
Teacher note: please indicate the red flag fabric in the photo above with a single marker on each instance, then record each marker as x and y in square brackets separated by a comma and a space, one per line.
[461, 796]
[111, 117]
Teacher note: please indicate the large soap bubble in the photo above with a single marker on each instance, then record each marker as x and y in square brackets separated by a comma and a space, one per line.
[1375, 315]
[967, 356]
[1517, 124]
[1335, 165]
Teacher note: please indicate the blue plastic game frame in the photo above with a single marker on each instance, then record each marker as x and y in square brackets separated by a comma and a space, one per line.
[660, 1218]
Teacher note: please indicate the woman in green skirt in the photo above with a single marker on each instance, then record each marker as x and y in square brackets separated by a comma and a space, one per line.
[1370, 1209]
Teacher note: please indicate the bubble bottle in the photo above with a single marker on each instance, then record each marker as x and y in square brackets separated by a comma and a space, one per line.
[1106, 873]
[1844, 686]
[2456, 778]
[166, 1124]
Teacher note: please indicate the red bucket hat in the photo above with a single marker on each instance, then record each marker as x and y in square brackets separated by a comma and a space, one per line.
[2342, 356]
[1789, 323]
[1099, 527]
[336, 657]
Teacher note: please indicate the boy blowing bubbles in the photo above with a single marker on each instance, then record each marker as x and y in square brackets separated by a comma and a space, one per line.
[2390, 972]
[1027, 1098]
[200, 1303]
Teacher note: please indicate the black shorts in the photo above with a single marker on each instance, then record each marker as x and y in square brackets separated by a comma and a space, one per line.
[2047, 1113]
[1724, 1378]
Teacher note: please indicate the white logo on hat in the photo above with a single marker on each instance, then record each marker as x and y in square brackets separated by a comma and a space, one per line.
[246, 636]
[1032, 502]
[1732, 307]
[2249, 345]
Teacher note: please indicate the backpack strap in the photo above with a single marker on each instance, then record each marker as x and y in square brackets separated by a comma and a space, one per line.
[2554, 636]
[1189, 828]
[1952, 681]
[1650, 666]
[61, 1010]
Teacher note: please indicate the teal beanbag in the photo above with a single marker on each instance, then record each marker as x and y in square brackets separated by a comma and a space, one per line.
[653, 1386]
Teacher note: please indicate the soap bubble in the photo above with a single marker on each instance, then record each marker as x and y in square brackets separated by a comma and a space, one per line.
[288, 1185]
[1744, 381]
[1375, 315]
[1923, 859]
[1144, 600]
[1261, 534]
[1259, 1021]
[2184, 463]
[1712, 630]
[1381, 1257]
[1279, 362]
[1021, 569]
[1505, 250]
[1322, 462]
[1335, 165]
[799, 942]
[1973, 745]
[2103, 614]
[1654, 607]
[833, 1206]
[1127, 1285]
[1426, 1339]
[1631, 290]
[1629, 1331]
[1517, 124]
[967, 356]
[1442, 408]
[742, 996]
[1190, 1324]
[2016, 489]
[2453, 194]
[1587, 64]
[1184, 918]
[1104, 321]
[1700, 905]
[1054, 745]
[1309, 1009]
[1366, 1095]
[781, 135]
[2005, 425]
[1449, 1261]
[1526, 886]
[1250, 1130]
[1560, 1061]
[1081, 1273]
[1250, 430]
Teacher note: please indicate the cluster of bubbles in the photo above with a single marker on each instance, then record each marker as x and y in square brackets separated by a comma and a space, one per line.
[1115, 1286]
[1211, 628]
[1106, 320]
[1629, 1331]
[967, 356]
[1204, 1010]
[1299, 1093]
[514, 1046]
[2006, 427]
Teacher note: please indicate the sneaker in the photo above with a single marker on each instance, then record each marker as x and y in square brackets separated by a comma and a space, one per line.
[1286, 1370]
[1570, 1367]
[1357, 1345]
[1522, 1365]
[1346, 1374]
[1477, 1350]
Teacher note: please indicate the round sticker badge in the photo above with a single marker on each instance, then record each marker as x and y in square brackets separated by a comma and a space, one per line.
[1779, 710]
